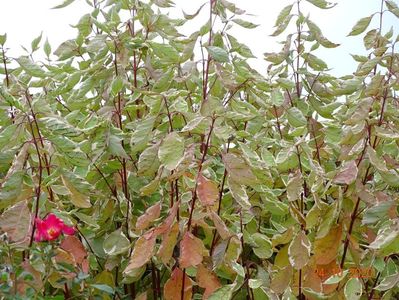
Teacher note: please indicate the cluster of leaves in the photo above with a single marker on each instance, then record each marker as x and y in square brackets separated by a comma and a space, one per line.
[186, 173]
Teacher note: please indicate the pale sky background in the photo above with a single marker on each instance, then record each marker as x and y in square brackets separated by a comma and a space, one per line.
[23, 20]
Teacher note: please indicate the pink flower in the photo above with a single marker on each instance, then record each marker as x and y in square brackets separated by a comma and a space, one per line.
[50, 228]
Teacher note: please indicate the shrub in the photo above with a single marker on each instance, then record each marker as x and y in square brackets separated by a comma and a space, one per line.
[187, 174]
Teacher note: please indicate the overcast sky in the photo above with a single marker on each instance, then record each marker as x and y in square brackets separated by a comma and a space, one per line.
[23, 20]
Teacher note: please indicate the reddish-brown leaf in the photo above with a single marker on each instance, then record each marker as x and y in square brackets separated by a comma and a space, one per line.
[37, 282]
[142, 252]
[65, 257]
[142, 296]
[191, 249]
[220, 225]
[167, 223]
[299, 250]
[207, 191]
[85, 266]
[173, 287]
[152, 213]
[239, 170]
[326, 248]
[74, 246]
[16, 221]
[311, 278]
[168, 244]
[207, 280]
[281, 279]
[347, 174]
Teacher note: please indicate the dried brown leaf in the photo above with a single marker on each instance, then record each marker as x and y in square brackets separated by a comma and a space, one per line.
[347, 174]
[16, 222]
[207, 280]
[142, 252]
[173, 287]
[220, 225]
[168, 243]
[74, 246]
[326, 248]
[207, 191]
[191, 249]
[152, 213]
[299, 250]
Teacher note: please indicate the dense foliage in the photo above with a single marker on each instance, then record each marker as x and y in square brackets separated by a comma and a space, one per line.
[153, 165]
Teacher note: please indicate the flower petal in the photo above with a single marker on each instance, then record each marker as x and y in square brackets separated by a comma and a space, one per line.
[40, 232]
[54, 222]
[69, 230]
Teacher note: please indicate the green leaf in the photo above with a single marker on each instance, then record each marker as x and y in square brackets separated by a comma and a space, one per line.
[150, 188]
[30, 67]
[275, 206]
[284, 13]
[3, 39]
[244, 23]
[277, 97]
[165, 52]
[326, 43]
[190, 17]
[64, 4]
[315, 63]
[353, 289]
[390, 177]
[116, 243]
[314, 295]
[59, 126]
[114, 144]
[275, 58]
[66, 50]
[47, 48]
[77, 198]
[377, 212]
[392, 7]
[11, 188]
[199, 124]
[263, 250]
[239, 194]
[375, 160]
[361, 26]
[104, 288]
[171, 151]
[295, 117]
[218, 54]
[285, 83]
[386, 133]
[142, 133]
[322, 4]
[35, 42]
[385, 237]
[6, 134]
[240, 48]
[223, 293]
[164, 3]
[333, 279]
[282, 26]
[388, 282]
[232, 7]
[368, 66]
[148, 162]
[117, 85]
